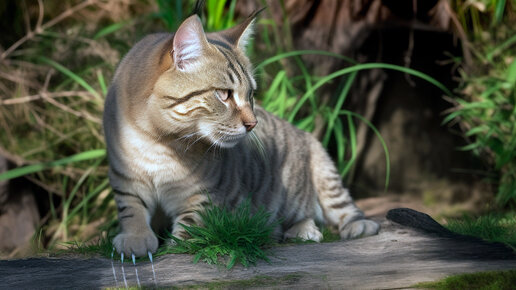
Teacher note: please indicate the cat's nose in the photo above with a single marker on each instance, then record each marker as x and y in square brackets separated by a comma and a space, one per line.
[250, 125]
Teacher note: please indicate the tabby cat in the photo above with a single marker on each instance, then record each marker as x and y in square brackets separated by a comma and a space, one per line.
[180, 121]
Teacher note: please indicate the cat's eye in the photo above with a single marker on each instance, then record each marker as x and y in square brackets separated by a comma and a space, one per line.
[224, 95]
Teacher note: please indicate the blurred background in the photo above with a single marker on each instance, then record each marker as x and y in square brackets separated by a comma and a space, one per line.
[414, 100]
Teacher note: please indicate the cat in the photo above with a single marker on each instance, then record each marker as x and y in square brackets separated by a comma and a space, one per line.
[180, 120]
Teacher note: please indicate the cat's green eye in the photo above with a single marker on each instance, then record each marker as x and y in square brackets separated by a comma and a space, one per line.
[224, 95]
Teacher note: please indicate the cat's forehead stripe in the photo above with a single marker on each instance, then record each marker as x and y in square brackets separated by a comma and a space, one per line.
[231, 66]
[226, 51]
[219, 43]
[230, 76]
[186, 98]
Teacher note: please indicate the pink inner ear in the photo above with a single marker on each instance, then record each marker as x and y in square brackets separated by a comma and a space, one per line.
[188, 42]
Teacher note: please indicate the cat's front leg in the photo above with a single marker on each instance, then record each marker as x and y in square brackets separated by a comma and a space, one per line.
[136, 236]
[189, 215]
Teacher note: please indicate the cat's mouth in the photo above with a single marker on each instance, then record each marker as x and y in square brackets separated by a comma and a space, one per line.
[228, 140]
[221, 136]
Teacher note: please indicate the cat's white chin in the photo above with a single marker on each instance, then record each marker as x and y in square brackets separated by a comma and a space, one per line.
[229, 141]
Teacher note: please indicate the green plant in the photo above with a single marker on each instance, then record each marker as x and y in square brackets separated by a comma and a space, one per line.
[493, 227]
[217, 17]
[238, 234]
[287, 96]
[102, 246]
[476, 15]
[486, 109]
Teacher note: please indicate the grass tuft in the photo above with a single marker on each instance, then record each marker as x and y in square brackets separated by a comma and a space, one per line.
[494, 227]
[227, 237]
[103, 247]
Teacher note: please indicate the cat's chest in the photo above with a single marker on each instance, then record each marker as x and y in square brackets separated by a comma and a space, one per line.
[155, 161]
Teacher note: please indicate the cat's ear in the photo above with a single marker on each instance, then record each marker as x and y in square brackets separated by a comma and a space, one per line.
[240, 35]
[189, 43]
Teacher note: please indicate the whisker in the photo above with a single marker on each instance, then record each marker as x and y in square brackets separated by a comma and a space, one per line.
[256, 142]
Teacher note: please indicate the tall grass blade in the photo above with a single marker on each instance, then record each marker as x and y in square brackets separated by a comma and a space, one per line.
[340, 101]
[71, 75]
[21, 171]
[111, 29]
[302, 52]
[353, 144]
[380, 138]
[359, 67]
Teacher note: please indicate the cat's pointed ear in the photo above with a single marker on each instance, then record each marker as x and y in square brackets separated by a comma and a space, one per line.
[240, 35]
[189, 43]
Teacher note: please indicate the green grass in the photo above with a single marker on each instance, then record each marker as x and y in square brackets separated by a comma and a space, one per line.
[495, 280]
[494, 227]
[103, 247]
[227, 236]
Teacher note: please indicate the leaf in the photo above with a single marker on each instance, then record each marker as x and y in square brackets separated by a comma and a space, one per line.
[469, 147]
[476, 130]
[511, 74]
[111, 29]
[498, 15]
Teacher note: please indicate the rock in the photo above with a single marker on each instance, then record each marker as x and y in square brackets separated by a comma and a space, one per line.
[399, 256]
[19, 215]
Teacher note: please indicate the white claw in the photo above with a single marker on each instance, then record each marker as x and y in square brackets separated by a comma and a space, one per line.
[123, 271]
[152, 265]
[136, 271]
[113, 267]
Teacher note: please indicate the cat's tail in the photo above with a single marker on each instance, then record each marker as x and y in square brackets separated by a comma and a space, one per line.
[335, 200]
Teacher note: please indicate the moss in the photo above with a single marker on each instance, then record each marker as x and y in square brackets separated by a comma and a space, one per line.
[483, 280]
[257, 281]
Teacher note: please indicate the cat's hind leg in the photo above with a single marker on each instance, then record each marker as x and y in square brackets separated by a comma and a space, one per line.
[336, 202]
[305, 230]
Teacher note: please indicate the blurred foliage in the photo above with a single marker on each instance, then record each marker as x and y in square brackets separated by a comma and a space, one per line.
[487, 108]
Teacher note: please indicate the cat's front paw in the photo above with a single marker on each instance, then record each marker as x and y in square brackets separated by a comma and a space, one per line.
[305, 230]
[137, 244]
[359, 229]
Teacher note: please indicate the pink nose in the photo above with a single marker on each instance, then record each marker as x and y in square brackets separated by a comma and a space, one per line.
[250, 125]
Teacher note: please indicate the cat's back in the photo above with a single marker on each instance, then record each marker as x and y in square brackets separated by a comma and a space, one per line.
[280, 134]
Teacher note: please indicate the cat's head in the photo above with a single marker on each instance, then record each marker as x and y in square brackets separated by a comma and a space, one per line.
[206, 94]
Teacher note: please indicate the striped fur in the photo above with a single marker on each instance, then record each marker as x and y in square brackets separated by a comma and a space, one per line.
[180, 122]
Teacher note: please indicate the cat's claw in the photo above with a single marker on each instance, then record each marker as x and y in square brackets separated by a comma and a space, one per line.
[152, 265]
[136, 270]
[113, 267]
[123, 271]
[150, 256]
